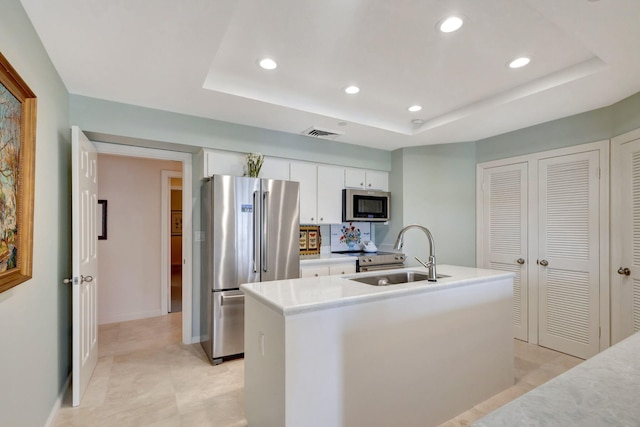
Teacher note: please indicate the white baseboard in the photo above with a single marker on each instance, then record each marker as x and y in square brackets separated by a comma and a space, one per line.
[125, 317]
[51, 420]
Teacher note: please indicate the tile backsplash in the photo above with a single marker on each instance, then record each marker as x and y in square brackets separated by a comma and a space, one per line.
[348, 236]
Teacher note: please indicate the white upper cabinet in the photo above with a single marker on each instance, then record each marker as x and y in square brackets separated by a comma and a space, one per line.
[366, 179]
[223, 163]
[306, 174]
[330, 194]
[275, 168]
[320, 192]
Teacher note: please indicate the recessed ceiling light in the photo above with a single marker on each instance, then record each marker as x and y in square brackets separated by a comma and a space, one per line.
[414, 108]
[519, 62]
[450, 24]
[351, 90]
[268, 64]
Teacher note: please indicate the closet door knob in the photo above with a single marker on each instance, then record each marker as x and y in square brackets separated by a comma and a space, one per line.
[624, 271]
[520, 261]
[544, 262]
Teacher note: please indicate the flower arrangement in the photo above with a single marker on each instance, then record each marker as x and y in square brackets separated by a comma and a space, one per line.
[350, 235]
[254, 164]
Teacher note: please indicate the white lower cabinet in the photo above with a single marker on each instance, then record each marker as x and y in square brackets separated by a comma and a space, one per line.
[327, 268]
[342, 268]
[314, 271]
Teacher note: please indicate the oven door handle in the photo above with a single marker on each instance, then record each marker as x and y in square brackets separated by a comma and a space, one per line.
[380, 267]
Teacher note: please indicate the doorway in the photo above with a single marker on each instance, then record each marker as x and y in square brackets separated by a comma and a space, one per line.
[186, 271]
[172, 259]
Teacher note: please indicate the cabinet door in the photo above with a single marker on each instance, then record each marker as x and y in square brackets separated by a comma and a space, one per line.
[306, 175]
[275, 168]
[361, 178]
[377, 180]
[625, 238]
[330, 180]
[314, 271]
[504, 233]
[342, 268]
[223, 163]
[354, 178]
[569, 253]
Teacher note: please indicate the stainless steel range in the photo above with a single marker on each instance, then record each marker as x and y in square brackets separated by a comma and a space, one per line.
[374, 261]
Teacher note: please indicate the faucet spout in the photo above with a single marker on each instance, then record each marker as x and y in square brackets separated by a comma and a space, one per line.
[431, 264]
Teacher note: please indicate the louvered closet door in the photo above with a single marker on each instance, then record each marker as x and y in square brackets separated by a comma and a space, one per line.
[627, 211]
[568, 254]
[505, 233]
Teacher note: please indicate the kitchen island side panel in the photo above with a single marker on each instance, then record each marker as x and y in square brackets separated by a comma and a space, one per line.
[405, 361]
[264, 365]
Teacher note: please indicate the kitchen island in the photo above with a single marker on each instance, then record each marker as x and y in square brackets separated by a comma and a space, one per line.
[329, 351]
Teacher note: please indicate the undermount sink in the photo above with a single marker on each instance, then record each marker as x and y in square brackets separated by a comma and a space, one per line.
[394, 278]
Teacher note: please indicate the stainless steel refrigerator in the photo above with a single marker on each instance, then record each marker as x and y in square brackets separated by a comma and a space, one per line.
[251, 234]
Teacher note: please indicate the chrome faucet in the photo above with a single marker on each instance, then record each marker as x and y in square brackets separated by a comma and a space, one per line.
[431, 265]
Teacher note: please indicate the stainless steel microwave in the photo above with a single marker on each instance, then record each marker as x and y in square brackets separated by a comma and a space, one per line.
[365, 205]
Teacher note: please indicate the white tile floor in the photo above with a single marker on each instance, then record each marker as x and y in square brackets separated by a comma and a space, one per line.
[146, 377]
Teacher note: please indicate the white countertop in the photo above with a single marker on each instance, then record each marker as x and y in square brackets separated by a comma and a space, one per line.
[602, 391]
[318, 293]
[324, 258]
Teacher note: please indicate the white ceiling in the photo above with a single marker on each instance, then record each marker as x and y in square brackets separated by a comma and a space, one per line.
[199, 57]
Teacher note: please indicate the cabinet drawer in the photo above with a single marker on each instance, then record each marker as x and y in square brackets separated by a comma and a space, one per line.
[314, 271]
[342, 268]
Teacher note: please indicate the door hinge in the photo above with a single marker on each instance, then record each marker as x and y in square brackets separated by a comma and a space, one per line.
[599, 331]
[598, 173]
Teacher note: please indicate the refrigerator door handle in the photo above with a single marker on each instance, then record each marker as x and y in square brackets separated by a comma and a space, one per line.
[265, 230]
[231, 299]
[255, 240]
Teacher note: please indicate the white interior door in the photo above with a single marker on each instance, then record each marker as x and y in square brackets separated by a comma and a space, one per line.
[504, 245]
[625, 221]
[569, 253]
[84, 198]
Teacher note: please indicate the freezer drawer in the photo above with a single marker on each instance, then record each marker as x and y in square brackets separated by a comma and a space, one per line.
[228, 324]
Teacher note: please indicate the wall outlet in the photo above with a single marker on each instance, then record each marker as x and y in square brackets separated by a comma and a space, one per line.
[199, 236]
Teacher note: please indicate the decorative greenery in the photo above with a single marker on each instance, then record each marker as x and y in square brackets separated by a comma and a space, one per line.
[350, 235]
[254, 164]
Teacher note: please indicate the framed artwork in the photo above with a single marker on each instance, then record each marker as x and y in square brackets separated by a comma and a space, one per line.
[17, 166]
[176, 223]
[310, 239]
[102, 220]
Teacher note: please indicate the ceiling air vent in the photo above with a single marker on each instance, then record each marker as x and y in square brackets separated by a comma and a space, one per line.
[322, 133]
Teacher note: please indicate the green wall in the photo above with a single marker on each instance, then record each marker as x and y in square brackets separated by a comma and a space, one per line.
[35, 315]
[114, 122]
[437, 188]
[596, 125]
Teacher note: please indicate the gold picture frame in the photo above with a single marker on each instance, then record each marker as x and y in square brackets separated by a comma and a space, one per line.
[310, 239]
[17, 167]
